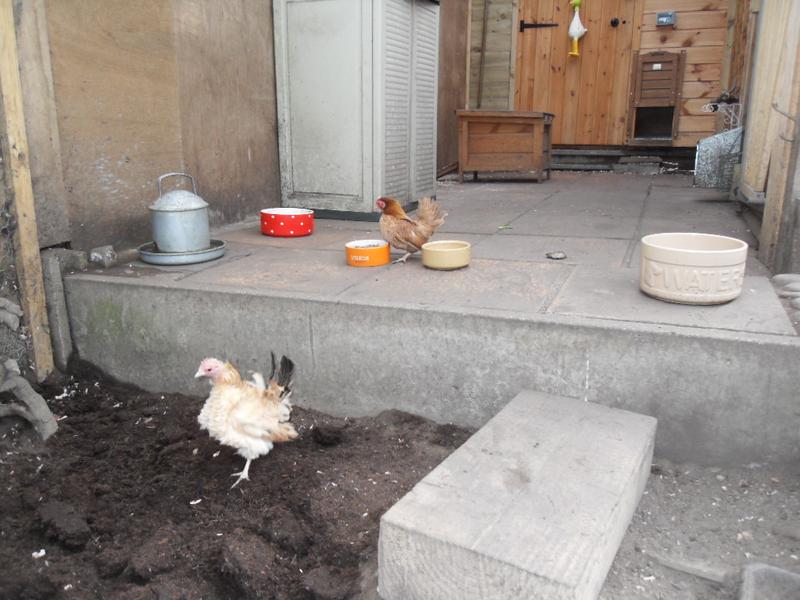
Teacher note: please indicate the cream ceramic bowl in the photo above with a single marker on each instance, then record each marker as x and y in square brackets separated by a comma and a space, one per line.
[692, 268]
[446, 255]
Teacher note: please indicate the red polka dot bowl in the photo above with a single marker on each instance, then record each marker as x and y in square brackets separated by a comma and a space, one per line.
[287, 222]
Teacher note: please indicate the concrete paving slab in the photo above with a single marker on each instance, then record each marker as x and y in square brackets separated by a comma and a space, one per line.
[672, 180]
[483, 221]
[690, 206]
[574, 225]
[706, 222]
[489, 284]
[321, 273]
[323, 238]
[590, 203]
[663, 192]
[579, 251]
[533, 506]
[615, 294]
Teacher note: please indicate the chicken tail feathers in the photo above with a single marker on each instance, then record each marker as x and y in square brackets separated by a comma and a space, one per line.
[285, 433]
[280, 378]
[429, 213]
[285, 373]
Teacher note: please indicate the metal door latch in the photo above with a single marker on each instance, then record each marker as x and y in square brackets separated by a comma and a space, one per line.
[523, 25]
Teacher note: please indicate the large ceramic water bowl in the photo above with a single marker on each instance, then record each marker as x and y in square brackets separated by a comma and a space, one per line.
[692, 268]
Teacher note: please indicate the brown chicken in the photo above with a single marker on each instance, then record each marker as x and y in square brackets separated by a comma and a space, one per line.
[248, 416]
[403, 232]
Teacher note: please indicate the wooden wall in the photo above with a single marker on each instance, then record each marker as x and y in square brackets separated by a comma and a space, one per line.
[226, 90]
[114, 71]
[453, 44]
[495, 89]
[587, 94]
[772, 129]
[41, 123]
[147, 87]
[702, 30]
[742, 28]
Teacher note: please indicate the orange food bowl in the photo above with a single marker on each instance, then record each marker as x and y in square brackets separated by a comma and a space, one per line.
[367, 253]
[287, 222]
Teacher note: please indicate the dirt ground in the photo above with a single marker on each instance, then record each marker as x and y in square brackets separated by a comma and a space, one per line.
[131, 500]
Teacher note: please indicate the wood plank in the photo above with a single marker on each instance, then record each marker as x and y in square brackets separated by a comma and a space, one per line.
[701, 89]
[500, 161]
[689, 140]
[18, 175]
[604, 81]
[706, 72]
[452, 84]
[558, 68]
[119, 116]
[778, 226]
[674, 38]
[499, 56]
[659, 93]
[543, 47]
[665, 75]
[688, 20]
[656, 84]
[690, 124]
[499, 127]
[632, 16]
[500, 142]
[741, 47]
[651, 6]
[704, 54]
[41, 123]
[773, 56]
[694, 107]
[526, 60]
[588, 101]
[572, 86]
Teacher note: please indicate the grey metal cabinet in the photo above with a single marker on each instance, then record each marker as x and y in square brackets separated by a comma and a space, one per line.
[356, 83]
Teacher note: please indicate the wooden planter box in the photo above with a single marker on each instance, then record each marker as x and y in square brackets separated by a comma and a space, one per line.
[504, 141]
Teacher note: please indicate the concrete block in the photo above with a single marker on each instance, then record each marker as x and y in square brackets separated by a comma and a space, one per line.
[57, 314]
[533, 506]
[71, 260]
[761, 582]
[707, 387]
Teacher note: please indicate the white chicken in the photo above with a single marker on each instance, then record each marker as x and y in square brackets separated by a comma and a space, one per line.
[247, 415]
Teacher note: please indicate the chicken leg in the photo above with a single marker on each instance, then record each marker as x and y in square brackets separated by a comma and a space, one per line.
[243, 474]
[402, 259]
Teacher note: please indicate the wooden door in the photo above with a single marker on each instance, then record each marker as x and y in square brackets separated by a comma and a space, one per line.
[588, 94]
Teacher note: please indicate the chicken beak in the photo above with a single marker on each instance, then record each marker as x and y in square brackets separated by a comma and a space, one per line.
[199, 374]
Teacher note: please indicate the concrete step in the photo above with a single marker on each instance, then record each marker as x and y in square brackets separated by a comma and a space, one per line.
[533, 506]
[457, 346]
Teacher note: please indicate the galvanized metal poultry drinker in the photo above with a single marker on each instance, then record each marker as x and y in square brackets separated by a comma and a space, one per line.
[180, 228]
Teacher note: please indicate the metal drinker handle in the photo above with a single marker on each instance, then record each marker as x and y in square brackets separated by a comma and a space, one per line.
[158, 181]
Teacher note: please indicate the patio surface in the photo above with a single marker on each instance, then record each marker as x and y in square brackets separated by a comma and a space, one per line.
[596, 219]
[458, 346]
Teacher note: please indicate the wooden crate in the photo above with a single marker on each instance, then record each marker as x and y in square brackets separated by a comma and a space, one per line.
[504, 141]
